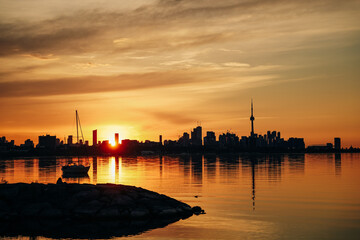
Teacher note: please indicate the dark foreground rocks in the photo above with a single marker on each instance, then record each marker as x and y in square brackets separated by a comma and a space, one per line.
[84, 210]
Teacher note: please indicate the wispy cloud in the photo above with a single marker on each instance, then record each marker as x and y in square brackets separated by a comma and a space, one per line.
[171, 117]
[166, 25]
[92, 84]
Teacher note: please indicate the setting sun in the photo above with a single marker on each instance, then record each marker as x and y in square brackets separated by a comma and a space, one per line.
[112, 142]
[108, 133]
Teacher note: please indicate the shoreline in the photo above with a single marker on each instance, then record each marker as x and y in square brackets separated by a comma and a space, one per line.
[57, 155]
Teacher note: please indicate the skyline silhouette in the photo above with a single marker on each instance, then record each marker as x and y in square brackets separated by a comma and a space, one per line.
[194, 142]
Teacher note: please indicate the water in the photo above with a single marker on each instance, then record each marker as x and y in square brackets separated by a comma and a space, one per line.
[300, 196]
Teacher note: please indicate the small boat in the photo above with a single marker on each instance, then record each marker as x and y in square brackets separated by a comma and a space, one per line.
[72, 169]
[75, 169]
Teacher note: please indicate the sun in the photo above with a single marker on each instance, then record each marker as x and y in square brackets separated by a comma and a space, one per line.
[112, 141]
[108, 132]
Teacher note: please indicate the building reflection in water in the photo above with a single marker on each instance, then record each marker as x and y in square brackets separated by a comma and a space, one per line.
[94, 169]
[117, 169]
[274, 165]
[197, 168]
[338, 163]
[210, 162]
[296, 163]
[185, 165]
[229, 168]
[161, 165]
[47, 169]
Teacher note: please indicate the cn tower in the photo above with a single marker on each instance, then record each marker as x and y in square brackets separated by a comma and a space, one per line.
[252, 118]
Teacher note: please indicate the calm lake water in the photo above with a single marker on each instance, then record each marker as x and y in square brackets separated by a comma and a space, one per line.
[300, 196]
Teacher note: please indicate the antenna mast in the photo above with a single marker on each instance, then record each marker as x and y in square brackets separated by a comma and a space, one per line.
[77, 128]
[252, 118]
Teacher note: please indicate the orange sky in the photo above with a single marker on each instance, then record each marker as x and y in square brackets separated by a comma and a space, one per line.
[144, 68]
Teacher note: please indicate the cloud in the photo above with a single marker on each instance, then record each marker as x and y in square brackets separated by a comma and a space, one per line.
[173, 118]
[41, 57]
[30, 40]
[5, 75]
[163, 26]
[236, 64]
[93, 84]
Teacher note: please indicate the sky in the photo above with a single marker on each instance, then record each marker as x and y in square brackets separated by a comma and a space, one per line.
[144, 68]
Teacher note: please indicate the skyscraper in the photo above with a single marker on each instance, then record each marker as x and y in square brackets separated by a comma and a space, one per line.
[95, 137]
[47, 142]
[252, 118]
[337, 144]
[116, 139]
[70, 139]
[196, 136]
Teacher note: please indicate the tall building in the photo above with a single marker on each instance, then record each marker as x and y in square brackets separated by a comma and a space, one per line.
[196, 136]
[70, 140]
[184, 140]
[210, 138]
[116, 139]
[337, 144]
[252, 118]
[160, 139]
[47, 142]
[95, 137]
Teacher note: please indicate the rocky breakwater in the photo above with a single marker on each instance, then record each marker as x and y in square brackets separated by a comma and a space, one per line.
[87, 201]
[84, 210]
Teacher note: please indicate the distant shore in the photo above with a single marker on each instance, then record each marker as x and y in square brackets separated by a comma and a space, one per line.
[89, 152]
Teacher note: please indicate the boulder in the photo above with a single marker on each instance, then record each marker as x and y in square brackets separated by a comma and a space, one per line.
[139, 212]
[109, 212]
[34, 209]
[87, 195]
[88, 209]
[9, 192]
[51, 213]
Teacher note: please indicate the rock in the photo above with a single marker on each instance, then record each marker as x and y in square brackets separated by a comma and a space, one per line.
[110, 192]
[124, 214]
[59, 181]
[123, 202]
[132, 193]
[140, 213]
[110, 212]
[169, 212]
[88, 209]
[4, 206]
[33, 209]
[105, 200]
[157, 208]
[8, 191]
[186, 208]
[197, 210]
[51, 213]
[149, 194]
[70, 204]
[4, 209]
[87, 195]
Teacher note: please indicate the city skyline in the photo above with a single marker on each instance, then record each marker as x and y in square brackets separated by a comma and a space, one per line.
[229, 141]
[196, 133]
[144, 68]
